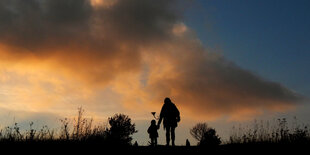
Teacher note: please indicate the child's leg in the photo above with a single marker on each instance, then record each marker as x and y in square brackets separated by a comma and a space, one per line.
[155, 139]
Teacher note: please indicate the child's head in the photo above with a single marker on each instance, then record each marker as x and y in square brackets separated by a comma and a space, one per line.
[153, 122]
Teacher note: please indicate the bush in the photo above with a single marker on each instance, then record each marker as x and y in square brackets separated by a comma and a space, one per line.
[120, 130]
[206, 136]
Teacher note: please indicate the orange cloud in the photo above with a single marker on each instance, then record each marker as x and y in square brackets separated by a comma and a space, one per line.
[123, 56]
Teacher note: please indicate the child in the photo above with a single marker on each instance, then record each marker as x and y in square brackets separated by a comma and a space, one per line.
[152, 130]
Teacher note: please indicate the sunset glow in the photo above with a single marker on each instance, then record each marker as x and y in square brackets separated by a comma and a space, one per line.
[123, 56]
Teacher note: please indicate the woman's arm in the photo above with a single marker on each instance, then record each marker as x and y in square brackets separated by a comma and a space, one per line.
[161, 115]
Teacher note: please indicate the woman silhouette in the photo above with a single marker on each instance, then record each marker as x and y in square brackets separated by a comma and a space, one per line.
[171, 115]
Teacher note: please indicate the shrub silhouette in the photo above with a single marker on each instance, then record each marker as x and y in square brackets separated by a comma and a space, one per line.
[120, 130]
[206, 136]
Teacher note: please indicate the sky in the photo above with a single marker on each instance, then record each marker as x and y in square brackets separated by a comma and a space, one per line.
[221, 62]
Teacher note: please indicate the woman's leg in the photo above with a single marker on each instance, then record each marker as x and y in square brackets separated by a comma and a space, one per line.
[172, 135]
[167, 135]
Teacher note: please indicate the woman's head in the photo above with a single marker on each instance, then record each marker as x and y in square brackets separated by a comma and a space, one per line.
[167, 100]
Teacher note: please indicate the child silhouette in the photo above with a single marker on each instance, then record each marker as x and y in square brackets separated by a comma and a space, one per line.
[152, 130]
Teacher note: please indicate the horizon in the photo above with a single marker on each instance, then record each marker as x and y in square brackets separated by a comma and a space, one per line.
[221, 62]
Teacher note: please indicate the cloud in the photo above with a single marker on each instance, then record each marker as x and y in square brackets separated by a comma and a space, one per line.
[135, 52]
[206, 84]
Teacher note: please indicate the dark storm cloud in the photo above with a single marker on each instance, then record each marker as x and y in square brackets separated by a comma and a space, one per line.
[97, 40]
[141, 20]
[36, 23]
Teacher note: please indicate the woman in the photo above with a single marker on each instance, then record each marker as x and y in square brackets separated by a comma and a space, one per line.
[171, 115]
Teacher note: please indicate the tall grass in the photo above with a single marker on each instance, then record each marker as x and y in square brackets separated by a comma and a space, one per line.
[277, 132]
[78, 129]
